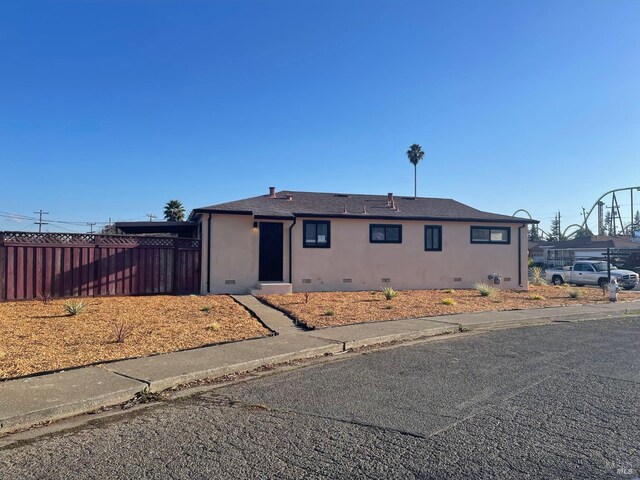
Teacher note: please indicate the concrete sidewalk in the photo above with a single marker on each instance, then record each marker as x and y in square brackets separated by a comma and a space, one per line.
[39, 399]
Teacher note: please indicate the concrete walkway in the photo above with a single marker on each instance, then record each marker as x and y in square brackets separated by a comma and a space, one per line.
[272, 318]
[38, 399]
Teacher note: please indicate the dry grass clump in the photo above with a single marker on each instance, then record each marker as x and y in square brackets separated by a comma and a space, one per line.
[575, 293]
[485, 289]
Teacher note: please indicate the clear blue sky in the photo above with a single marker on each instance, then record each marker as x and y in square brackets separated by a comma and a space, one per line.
[111, 108]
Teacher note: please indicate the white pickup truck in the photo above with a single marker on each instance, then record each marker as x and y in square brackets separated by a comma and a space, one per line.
[591, 273]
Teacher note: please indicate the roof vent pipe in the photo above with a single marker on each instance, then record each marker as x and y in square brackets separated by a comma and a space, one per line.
[389, 198]
[288, 196]
[272, 192]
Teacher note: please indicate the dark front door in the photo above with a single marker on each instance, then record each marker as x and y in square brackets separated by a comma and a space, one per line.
[271, 252]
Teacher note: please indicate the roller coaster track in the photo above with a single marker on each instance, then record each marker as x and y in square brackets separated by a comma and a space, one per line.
[616, 216]
[617, 227]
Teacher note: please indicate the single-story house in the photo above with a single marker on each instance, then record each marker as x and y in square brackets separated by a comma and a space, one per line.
[304, 241]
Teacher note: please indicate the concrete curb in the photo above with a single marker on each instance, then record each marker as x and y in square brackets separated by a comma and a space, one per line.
[433, 332]
[162, 382]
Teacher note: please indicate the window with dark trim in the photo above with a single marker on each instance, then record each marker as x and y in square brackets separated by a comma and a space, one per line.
[317, 234]
[433, 238]
[385, 233]
[491, 235]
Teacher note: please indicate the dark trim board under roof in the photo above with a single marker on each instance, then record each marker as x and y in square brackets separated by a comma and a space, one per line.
[288, 205]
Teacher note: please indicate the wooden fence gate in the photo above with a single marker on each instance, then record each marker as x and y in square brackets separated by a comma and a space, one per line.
[84, 265]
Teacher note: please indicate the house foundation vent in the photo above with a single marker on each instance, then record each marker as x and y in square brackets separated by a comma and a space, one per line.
[457, 279]
[507, 279]
[306, 280]
[386, 280]
[229, 282]
[346, 280]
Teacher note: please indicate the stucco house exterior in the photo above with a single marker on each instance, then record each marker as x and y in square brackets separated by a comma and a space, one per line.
[305, 241]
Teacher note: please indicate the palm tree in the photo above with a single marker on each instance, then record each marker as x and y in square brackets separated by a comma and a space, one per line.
[415, 154]
[174, 211]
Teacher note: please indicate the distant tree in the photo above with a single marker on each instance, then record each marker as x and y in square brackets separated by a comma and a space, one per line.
[108, 229]
[608, 224]
[534, 234]
[415, 154]
[555, 232]
[584, 232]
[174, 211]
[636, 221]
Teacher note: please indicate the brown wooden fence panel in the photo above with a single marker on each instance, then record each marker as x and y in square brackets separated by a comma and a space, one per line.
[79, 265]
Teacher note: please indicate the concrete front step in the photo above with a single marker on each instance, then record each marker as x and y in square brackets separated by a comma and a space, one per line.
[269, 288]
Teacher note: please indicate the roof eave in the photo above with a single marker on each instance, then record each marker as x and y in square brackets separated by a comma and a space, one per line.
[365, 216]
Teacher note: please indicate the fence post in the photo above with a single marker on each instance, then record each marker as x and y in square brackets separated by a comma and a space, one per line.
[96, 266]
[3, 254]
[174, 270]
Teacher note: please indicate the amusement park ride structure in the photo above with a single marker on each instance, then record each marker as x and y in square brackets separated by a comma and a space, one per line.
[617, 227]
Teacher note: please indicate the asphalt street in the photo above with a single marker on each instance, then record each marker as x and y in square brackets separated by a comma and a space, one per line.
[557, 401]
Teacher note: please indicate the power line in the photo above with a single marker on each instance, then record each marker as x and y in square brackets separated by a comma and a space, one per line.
[17, 216]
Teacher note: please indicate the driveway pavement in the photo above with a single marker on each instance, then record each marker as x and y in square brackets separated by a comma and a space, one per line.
[554, 401]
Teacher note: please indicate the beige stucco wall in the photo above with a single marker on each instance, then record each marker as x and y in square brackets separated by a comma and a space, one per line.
[234, 253]
[407, 265]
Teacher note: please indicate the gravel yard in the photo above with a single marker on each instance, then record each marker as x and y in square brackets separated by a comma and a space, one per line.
[328, 309]
[38, 337]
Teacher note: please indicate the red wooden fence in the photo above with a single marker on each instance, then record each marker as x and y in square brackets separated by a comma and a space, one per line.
[83, 265]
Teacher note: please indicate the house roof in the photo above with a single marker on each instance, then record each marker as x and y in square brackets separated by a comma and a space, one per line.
[312, 204]
[599, 242]
[180, 228]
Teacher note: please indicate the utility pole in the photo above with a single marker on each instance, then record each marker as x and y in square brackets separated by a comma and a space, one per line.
[91, 224]
[151, 216]
[40, 222]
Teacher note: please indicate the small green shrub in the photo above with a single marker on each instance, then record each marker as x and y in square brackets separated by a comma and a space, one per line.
[448, 301]
[213, 327]
[389, 293]
[329, 313]
[575, 293]
[74, 308]
[484, 289]
[206, 309]
[306, 296]
[449, 290]
[537, 297]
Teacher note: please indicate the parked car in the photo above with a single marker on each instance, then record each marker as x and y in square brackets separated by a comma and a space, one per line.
[591, 273]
